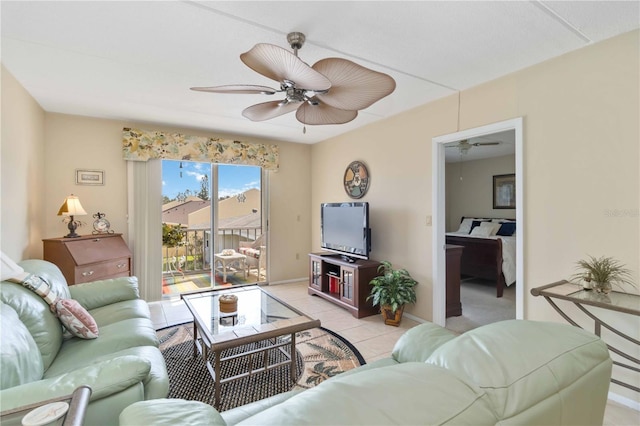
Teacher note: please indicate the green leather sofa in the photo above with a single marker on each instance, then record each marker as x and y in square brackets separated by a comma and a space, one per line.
[122, 366]
[507, 373]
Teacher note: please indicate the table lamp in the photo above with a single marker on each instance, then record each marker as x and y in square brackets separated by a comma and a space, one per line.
[71, 207]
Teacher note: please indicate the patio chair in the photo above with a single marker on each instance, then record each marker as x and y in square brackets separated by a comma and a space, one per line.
[256, 253]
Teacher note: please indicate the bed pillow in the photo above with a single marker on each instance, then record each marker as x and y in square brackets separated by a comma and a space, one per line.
[475, 223]
[507, 229]
[465, 225]
[485, 229]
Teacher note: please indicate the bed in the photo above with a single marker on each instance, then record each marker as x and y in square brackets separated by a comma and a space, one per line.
[489, 249]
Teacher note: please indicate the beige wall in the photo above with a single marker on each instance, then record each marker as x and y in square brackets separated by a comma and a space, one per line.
[473, 195]
[74, 142]
[581, 182]
[22, 172]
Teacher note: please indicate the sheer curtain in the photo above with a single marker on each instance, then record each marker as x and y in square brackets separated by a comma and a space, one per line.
[144, 179]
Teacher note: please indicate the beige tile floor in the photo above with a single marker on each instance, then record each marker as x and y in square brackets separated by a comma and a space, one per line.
[369, 335]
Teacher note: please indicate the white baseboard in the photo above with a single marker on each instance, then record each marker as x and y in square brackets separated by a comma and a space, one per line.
[622, 400]
[295, 280]
[413, 317]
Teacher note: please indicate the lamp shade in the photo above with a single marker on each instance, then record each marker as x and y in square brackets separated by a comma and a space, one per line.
[71, 207]
[9, 268]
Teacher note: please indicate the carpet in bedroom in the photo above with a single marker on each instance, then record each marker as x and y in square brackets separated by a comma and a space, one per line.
[480, 306]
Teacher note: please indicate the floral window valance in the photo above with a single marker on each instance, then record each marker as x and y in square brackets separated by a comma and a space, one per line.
[143, 145]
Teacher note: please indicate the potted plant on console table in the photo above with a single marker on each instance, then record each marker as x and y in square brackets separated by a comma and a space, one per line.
[391, 291]
[601, 273]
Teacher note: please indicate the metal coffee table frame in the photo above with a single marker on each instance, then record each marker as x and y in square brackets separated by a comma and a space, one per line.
[205, 342]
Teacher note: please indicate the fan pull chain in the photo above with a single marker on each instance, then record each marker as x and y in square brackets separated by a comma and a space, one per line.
[304, 118]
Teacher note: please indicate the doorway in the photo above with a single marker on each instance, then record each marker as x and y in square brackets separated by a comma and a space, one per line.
[212, 226]
[440, 218]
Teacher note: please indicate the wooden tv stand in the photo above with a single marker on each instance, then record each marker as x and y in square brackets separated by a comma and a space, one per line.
[343, 283]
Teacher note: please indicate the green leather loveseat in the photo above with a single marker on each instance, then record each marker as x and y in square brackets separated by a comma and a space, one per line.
[39, 361]
[507, 373]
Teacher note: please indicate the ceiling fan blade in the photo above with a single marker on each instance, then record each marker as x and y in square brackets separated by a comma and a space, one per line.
[323, 114]
[353, 87]
[268, 110]
[485, 143]
[279, 64]
[238, 88]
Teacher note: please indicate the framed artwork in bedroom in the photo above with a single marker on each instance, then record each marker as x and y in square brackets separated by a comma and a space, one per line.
[504, 191]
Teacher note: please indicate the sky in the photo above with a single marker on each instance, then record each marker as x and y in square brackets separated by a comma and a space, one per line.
[232, 179]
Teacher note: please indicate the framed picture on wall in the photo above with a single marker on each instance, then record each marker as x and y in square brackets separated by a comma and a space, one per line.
[504, 191]
[89, 177]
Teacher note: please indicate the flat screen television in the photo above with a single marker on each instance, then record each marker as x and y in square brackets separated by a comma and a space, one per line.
[345, 229]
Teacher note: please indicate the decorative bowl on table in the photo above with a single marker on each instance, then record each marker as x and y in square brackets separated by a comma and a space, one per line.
[228, 303]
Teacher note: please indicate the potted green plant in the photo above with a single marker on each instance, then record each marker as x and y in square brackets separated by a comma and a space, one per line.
[602, 273]
[391, 290]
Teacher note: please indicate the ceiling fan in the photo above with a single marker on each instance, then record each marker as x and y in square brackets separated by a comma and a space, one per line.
[332, 91]
[464, 145]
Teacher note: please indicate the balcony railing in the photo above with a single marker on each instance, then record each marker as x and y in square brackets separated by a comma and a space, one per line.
[193, 254]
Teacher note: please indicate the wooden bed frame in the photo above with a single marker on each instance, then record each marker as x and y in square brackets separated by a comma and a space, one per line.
[481, 257]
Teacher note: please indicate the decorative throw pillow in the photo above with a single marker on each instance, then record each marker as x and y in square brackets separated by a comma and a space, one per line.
[71, 314]
[507, 229]
[39, 287]
[76, 319]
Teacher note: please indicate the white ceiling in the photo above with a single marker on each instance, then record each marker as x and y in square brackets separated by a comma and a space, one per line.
[506, 146]
[136, 60]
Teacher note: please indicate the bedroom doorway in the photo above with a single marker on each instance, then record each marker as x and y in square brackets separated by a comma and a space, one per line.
[445, 210]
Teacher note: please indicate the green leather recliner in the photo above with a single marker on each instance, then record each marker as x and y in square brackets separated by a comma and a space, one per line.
[507, 373]
[38, 361]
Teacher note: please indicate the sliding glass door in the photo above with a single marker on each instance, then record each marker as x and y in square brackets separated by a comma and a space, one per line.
[212, 226]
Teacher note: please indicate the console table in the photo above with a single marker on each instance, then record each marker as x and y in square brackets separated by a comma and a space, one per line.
[626, 303]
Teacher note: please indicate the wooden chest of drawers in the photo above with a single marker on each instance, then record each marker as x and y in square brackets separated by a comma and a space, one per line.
[90, 257]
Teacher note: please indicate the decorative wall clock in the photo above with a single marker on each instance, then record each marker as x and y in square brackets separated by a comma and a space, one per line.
[356, 179]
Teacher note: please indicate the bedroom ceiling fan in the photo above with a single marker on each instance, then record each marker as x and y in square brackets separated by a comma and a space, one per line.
[464, 146]
[332, 91]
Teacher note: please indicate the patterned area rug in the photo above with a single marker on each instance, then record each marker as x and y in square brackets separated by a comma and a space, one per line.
[321, 354]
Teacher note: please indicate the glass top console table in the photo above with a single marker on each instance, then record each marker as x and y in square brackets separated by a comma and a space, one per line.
[627, 303]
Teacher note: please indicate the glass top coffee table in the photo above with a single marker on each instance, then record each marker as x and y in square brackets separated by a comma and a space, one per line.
[259, 317]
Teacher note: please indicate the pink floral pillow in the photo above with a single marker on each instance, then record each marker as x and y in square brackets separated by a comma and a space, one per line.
[76, 319]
